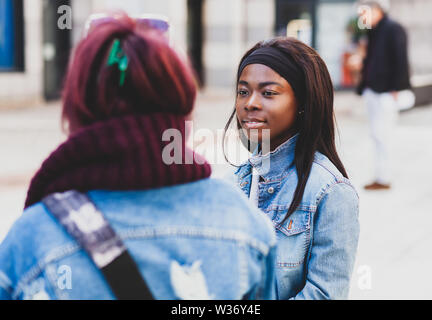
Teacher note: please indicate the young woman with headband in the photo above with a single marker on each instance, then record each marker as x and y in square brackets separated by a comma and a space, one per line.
[283, 86]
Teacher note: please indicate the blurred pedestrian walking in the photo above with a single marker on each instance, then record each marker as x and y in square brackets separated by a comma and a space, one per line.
[109, 213]
[385, 84]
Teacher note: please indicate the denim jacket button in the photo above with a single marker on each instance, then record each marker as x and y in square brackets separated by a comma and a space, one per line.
[244, 184]
[270, 190]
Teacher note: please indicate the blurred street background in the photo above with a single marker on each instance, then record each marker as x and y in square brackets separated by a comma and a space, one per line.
[36, 39]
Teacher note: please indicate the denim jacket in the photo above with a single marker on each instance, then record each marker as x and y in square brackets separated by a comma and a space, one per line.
[199, 240]
[317, 244]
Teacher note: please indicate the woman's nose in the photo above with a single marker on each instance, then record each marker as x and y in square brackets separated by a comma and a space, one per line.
[253, 103]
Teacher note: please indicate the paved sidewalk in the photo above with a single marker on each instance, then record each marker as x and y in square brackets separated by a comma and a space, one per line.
[394, 258]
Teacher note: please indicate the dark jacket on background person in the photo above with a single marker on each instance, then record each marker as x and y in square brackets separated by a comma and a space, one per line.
[386, 66]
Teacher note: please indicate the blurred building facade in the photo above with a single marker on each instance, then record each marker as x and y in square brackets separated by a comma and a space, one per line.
[38, 31]
[215, 33]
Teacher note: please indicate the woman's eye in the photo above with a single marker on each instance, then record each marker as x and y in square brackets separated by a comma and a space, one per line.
[242, 92]
[269, 93]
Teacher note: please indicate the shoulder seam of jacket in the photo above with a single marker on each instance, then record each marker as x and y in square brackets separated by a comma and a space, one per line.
[71, 248]
[327, 189]
[34, 271]
[214, 233]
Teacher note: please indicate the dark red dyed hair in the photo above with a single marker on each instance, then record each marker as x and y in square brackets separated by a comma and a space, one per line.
[157, 80]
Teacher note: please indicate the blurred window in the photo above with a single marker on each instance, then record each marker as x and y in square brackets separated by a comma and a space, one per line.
[333, 39]
[294, 18]
[11, 35]
[300, 29]
[322, 24]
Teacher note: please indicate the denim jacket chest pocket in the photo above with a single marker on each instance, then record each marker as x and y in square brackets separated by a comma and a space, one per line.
[293, 236]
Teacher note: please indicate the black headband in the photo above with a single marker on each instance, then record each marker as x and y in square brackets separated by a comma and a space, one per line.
[280, 63]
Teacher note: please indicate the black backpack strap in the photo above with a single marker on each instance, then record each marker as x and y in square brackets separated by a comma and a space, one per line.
[86, 224]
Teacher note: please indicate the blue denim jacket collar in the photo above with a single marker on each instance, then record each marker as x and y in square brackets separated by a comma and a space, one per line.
[271, 165]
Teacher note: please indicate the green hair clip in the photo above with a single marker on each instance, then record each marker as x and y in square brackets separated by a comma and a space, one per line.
[117, 56]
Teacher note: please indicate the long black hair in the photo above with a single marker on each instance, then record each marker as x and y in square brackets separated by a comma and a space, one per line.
[316, 124]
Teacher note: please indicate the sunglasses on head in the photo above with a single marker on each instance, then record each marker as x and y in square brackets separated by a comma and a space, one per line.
[145, 22]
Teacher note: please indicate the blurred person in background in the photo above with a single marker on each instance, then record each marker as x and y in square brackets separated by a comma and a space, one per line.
[384, 84]
[284, 86]
[190, 236]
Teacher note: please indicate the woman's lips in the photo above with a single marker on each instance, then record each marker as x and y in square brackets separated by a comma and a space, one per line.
[253, 124]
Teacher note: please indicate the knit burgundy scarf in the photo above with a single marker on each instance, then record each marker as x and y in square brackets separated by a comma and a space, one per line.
[118, 154]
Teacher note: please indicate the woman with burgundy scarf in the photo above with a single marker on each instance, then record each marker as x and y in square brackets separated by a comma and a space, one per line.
[189, 236]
